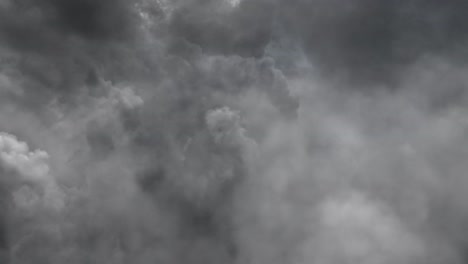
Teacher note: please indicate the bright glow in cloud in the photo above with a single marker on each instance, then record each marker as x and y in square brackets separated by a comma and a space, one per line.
[126, 96]
[234, 3]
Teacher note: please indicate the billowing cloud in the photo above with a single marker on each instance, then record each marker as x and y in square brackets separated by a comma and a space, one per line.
[30, 165]
[216, 131]
[22, 168]
[355, 230]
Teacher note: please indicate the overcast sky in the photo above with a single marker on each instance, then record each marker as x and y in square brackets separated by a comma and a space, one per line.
[233, 131]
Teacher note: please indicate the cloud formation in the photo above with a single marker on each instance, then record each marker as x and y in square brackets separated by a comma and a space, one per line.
[216, 131]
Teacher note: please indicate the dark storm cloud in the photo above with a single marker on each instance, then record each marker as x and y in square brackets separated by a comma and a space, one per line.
[45, 25]
[366, 41]
[363, 41]
[201, 131]
[372, 41]
[61, 49]
[101, 19]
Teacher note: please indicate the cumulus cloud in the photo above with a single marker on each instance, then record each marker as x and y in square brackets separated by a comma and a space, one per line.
[16, 156]
[224, 126]
[29, 168]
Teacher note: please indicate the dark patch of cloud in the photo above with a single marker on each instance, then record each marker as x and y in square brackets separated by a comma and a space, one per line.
[53, 45]
[46, 26]
[372, 41]
[101, 19]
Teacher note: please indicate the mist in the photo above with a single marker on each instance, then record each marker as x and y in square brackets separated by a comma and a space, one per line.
[233, 131]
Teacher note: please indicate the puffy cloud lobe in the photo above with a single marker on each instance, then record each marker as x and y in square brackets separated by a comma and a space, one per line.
[127, 97]
[224, 126]
[31, 168]
[211, 162]
[15, 155]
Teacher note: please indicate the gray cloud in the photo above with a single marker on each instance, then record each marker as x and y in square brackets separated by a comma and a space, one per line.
[207, 131]
[374, 40]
